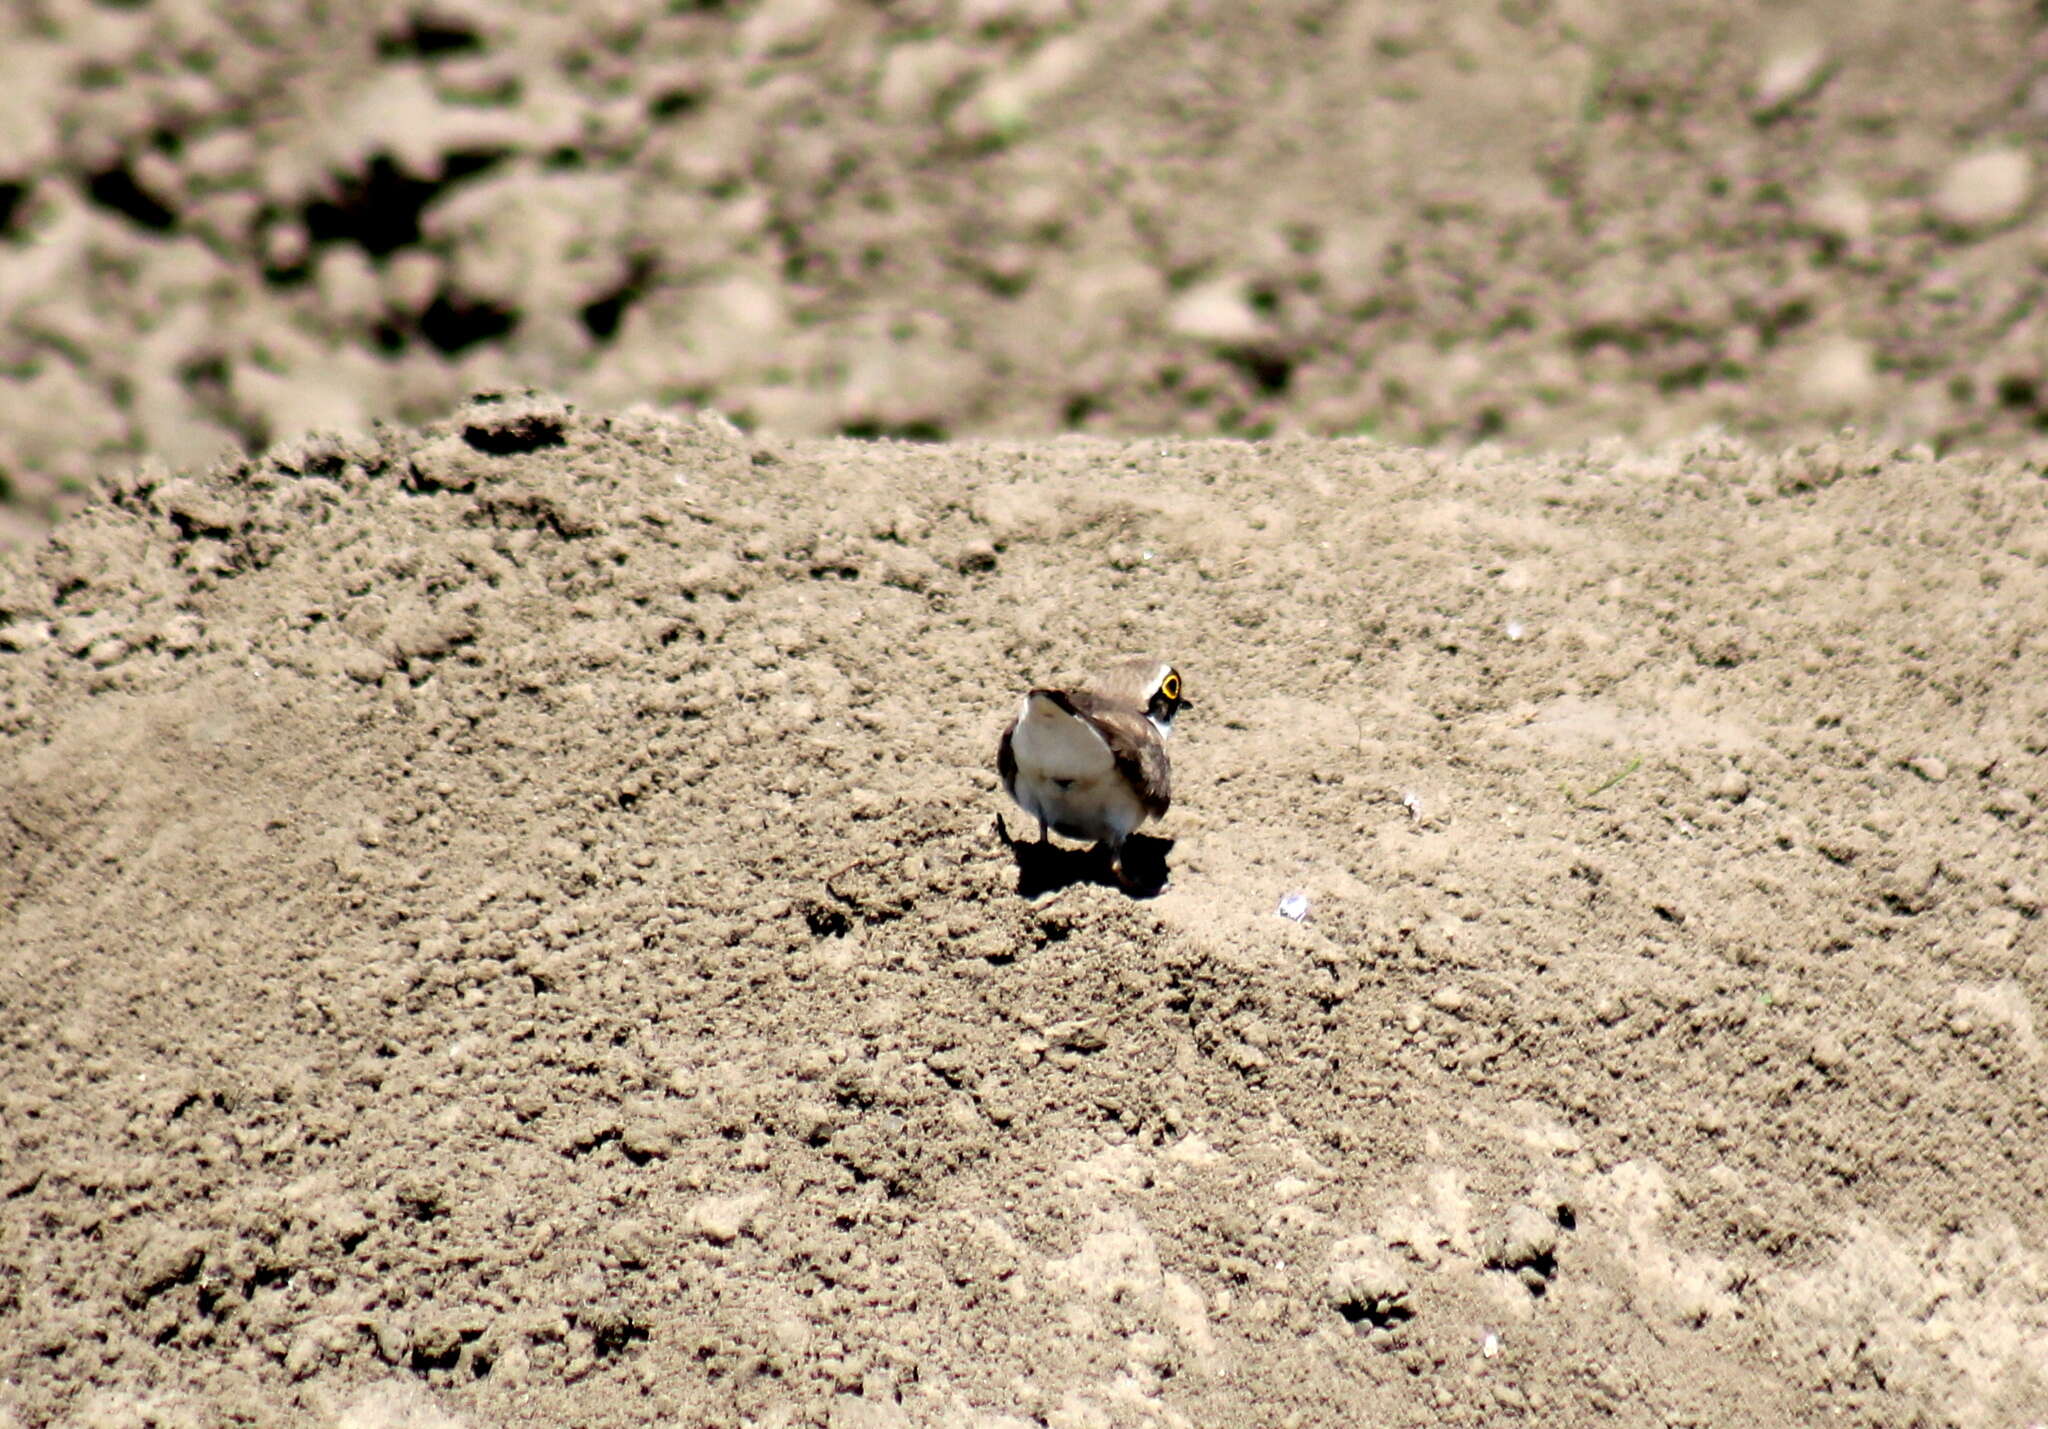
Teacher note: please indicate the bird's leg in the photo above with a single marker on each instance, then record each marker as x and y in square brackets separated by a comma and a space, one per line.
[1124, 880]
[1113, 855]
[1044, 833]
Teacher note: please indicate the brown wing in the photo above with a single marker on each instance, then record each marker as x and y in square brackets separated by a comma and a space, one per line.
[1006, 761]
[1139, 752]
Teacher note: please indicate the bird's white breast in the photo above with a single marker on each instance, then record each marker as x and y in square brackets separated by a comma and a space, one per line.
[1067, 776]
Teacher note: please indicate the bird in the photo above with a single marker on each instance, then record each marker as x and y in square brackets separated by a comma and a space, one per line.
[1088, 761]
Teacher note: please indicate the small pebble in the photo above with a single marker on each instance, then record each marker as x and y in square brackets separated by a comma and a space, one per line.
[2006, 803]
[975, 556]
[1215, 313]
[304, 1355]
[31, 635]
[1525, 1237]
[393, 1340]
[721, 1219]
[1931, 769]
[1840, 212]
[1984, 191]
[1839, 372]
[1294, 906]
[1793, 74]
[1362, 1276]
[182, 633]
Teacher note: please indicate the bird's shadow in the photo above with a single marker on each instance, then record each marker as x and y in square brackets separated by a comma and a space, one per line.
[1044, 868]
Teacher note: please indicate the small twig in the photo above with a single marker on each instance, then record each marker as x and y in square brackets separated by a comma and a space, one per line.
[1599, 789]
[841, 872]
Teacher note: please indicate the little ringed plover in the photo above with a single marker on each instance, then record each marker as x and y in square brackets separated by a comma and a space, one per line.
[1089, 761]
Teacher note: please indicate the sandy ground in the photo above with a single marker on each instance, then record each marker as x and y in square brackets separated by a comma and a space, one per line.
[505, 927]
[224, 223]
[501, 920]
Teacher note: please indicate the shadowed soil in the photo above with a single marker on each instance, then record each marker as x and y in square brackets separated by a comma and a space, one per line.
[503, 923]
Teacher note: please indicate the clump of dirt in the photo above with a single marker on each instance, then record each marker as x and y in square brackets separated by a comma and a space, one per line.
[503, 924]
[1535, 223]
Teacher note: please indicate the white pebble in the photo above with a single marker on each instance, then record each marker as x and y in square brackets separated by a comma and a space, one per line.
[1294, 905]
[1840, 372]
[1984, 191]
[1215, 313]
[1789, 76]
[1841, 212]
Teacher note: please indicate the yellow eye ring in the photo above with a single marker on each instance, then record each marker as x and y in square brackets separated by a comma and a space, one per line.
[1170, 687]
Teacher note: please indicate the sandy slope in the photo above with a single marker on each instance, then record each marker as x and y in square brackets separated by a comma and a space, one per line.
[502, 922]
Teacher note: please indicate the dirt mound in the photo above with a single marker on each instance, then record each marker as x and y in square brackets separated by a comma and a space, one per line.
[502, 925]
[222, 225]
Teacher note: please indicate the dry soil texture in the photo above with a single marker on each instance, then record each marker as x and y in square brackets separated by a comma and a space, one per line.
[501, 924]
[227, 222]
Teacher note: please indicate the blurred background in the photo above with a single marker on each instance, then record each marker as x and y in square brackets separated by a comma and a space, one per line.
[1531, 222]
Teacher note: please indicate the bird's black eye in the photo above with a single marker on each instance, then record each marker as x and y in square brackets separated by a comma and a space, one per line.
[1170, 686]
